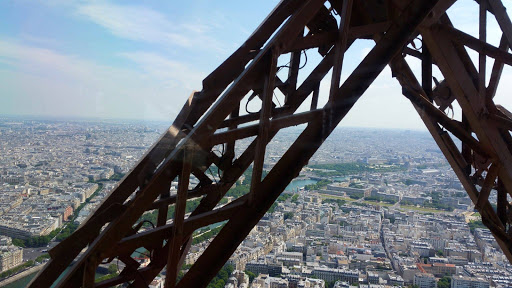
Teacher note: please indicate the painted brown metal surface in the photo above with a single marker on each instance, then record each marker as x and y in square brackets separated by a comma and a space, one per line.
[213, 117]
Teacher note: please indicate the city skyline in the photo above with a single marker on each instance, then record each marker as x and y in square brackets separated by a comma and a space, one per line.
[362, 212]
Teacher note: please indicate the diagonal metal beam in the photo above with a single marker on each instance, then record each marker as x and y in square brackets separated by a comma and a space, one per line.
[496, 71]
[466, 92]
[407, 79]
[179, 216]
[264, 123]
[304, 147]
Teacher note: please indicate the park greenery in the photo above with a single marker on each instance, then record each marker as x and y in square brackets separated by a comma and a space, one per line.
[318, 185]
[36, 241]
[444, 282]
[437, 203]
[282, 198]
[344, 169]
[222, 277]
[106, 277]
[184, 269]
[206, 235]
[66, 231]
[251, 275]
[359, 204]
[340, 202]
[116, 177]
[356, 195]
[475, 224]
[113, 271]
[406, 203]
[379, 199]
[288, 215]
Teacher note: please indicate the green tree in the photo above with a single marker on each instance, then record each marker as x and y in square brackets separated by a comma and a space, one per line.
[288, 215]
[222, 277]
[356, 195]
[444, 282]
[18, 242]
[40, 258]
[340, 202]
[475, 224]
[318, 185]
[283, 197]
[251, 275]
[112, 268]
[206, 235]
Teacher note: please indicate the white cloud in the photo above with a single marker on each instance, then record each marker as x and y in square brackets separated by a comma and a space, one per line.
[134, 23]
[42, 61]
[173, 73]
[143, 24]
[44, 81]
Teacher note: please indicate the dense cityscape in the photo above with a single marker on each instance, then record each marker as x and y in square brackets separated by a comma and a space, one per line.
[374, 208]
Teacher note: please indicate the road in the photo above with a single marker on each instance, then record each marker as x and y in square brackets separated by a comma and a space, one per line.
[386, 248]
[33, 253]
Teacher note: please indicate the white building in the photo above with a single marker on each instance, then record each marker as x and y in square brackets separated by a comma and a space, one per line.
[333, 274]
[468, 282]
[425, 280]
[10, 257]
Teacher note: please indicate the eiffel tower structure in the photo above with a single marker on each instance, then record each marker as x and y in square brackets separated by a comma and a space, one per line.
[477, 146]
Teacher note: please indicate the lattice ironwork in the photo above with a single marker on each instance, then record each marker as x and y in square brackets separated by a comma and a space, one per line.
[213, 117]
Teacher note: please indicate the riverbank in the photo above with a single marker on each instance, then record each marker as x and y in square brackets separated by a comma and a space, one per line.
[21, 275]
[299, 184]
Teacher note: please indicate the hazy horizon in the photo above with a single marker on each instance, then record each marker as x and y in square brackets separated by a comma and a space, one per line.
[25, 117]
[135, 60]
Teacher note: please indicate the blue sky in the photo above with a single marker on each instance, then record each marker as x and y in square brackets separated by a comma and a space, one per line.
[142, 59]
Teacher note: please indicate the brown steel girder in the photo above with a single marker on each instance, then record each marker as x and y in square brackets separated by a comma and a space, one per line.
[213, 117]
